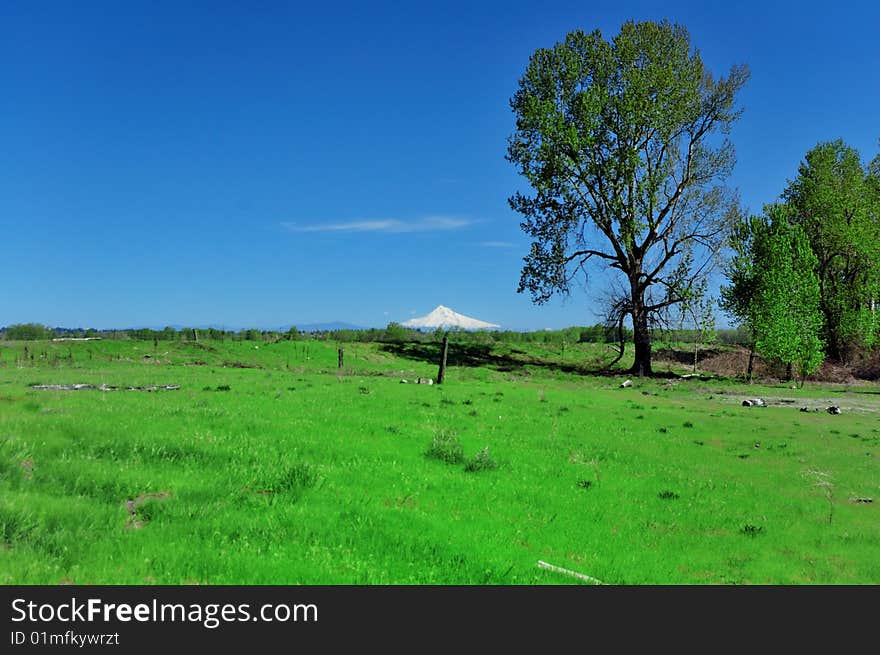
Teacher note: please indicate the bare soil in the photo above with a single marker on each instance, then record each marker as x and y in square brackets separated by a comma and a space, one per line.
[734, 362]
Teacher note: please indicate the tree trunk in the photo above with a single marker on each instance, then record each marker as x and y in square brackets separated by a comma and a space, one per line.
[641, 338]
[832, 347]
[832, 343]
[751, 364]
[621, 340]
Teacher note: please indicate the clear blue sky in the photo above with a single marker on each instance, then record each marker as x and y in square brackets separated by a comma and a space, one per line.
[264, 164]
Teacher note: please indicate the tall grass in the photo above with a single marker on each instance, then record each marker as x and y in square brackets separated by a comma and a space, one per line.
[294, 475]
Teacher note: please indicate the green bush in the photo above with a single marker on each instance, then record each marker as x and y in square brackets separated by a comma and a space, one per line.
[27, 332]
[293, 478]
[446, 447]
[482, 461]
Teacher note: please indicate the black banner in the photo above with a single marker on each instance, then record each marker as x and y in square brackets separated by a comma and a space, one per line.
[146, 618]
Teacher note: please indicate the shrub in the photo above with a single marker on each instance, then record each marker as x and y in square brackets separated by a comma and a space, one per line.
[482, 461]
[27, 332]
[298, 476]
[446, 447]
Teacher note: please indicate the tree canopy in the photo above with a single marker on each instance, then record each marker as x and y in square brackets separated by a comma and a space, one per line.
[28, 332]
[836, 200]
[623, 144]
[774, 289]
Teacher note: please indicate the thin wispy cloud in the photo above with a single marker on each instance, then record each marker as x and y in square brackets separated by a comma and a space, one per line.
[387, 225]
[498, 244]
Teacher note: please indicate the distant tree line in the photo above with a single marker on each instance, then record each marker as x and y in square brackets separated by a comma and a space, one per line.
[392, 333]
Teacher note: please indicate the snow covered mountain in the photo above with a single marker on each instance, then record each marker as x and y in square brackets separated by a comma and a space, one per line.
[443, 317]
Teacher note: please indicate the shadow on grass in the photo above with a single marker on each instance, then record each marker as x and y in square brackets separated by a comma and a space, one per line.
[685, 356]
[482, 355]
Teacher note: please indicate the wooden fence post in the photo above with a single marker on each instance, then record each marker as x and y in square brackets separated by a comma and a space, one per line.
[341, 354]
[441, 374]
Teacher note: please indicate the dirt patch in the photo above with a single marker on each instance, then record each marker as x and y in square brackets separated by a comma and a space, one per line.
[239, 365]
[734, 363]
[27, 467]
[830, 372]
[852, 403]
[392, 374]
[401, 502]
[685, 357]
[868, 369]
[136, 519]
[102, 387]
[262, 492]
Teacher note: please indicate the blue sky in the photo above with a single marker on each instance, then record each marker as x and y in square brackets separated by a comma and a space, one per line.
[264, 164]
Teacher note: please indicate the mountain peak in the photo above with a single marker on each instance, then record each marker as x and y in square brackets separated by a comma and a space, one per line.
[444, 317]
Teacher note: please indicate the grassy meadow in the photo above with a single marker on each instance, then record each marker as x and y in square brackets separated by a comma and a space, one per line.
[272, 466]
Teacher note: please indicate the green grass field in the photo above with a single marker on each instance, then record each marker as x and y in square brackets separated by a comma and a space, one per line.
[271, 466]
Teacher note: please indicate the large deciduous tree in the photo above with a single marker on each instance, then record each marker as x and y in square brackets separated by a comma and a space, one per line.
[624, 146]
[775, 290]
[837, 202]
